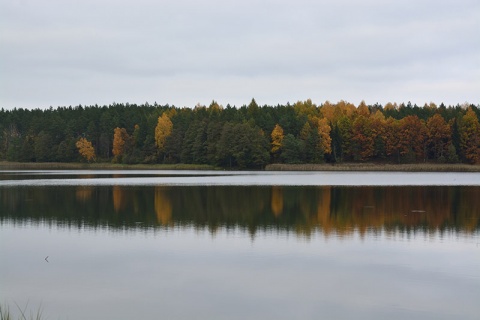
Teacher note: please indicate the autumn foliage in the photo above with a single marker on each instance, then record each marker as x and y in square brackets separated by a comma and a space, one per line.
[470, 137]
[85, 149]
[120, 137]
[277, 139]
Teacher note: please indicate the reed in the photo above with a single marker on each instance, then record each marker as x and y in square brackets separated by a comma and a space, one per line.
[23, 314]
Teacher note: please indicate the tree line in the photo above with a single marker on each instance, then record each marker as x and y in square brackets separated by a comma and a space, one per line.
[250, 136]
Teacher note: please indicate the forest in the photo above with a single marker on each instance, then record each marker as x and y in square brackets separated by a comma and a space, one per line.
[250, 136]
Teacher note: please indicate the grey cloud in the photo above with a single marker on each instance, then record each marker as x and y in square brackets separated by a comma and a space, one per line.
[180, 48]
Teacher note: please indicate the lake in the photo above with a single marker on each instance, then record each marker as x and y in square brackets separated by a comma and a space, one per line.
[240, 245]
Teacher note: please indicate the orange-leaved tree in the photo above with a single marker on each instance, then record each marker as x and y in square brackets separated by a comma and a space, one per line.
[362, 109]
[379, 126]
[392, 138]
[325, 144]
[327, 111]
[85, 148]
[439, 136]
[120, 138]
[363, 142]
[413, 134]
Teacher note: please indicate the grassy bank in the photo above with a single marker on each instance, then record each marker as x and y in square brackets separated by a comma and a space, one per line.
[414, 167]
[99, 166]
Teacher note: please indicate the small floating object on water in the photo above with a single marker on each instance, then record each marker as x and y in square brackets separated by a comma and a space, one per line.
[46, 258]
[417, 211]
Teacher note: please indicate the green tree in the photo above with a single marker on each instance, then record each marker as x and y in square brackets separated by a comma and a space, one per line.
[469, 130]
[243, 146]
[292, 149]
[224, 154]
[66, 151]
[310, 141]
[43, 148]
[344, 135]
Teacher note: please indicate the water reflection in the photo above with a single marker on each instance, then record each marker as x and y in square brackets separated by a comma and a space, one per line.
[84, 194]
[163, 206]
[303, 210]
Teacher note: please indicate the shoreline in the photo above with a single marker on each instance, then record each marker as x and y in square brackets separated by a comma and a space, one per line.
[99, 166]
[414, 167]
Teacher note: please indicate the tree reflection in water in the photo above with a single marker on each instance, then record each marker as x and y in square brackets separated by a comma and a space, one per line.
[303, 210]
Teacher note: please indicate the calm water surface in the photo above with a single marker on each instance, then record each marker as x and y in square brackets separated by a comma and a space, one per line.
[248, 245]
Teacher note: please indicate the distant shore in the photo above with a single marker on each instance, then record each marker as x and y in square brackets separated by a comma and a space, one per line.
[414, 167]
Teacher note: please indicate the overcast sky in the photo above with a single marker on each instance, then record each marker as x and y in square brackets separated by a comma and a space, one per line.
[184, 52]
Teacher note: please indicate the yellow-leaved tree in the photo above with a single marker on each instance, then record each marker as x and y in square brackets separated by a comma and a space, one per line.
[85, 148]
[162, 131]
[277, 140]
